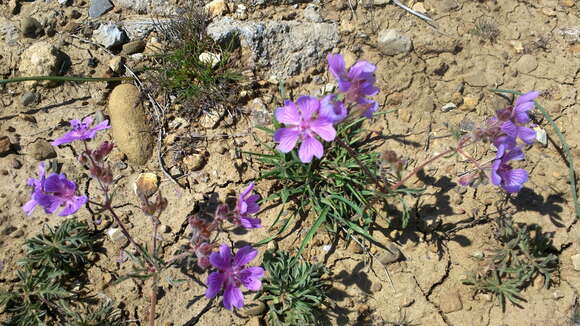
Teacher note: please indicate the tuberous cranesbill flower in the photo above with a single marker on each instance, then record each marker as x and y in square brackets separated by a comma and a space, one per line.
[81, 130]
[231, 274]
[332, 108]
[514, 119]
[356, 84]
[53, 192]
[246, 207]
[502, 174]
[303, 123]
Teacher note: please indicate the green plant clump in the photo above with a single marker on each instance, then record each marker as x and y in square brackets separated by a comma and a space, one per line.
[342, 187]
[45, 292]
[194, 67]
[294, 289]
[516, 263]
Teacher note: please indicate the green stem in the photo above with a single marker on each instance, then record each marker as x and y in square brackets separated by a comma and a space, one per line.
[63, 78]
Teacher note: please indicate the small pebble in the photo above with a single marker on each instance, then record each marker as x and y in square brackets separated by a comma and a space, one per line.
[28, 98]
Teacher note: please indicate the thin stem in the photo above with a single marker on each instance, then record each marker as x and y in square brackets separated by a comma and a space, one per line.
[461, 145]
[63, 78]
[153, 301]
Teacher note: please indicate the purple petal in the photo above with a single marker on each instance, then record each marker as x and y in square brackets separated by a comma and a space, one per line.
[308, 106]
[529, 96]
[495, 177]
[72, 206]
[102, 125]
[522, 117]
[48, 202]
[65, 139]
[250, 278]
[252, 205]
[29, 207]
[245, 255]
[528, 135]
[370, 107]
[324, 129]
[215, 282]
[310, 147]
[87, 121]
[287, 138]
[250, 223]
[288, 114]
[514, 180]
[336, 65]
[222, 259]
[332, 109]
[361, 69]
[233, 297]
[510, 129]
[248, 190]
[55, 183]
[344, 85]
[41, 170]
[514, 155]
[75, 124]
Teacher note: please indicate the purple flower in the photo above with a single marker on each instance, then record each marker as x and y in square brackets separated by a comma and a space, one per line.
[246, 207]
[53, 192]
[232, 274]
[512, 120]
[81, 131]
[304, 123]
[502, 174]
[356, 84]
[332, 108]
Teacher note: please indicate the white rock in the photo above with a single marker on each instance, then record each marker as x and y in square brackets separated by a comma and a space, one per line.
[40, 59]
[210, 58]
[391, 42]
[541, 136]
[109, 35]
[116, 235]
[448, 107]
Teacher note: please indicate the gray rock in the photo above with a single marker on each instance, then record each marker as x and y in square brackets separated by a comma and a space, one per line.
[64, 2]
[139, 29]
[30, 27]
[28, 98]
[156, 7]
[391, 42]
[42, 150]
[390, 255]
[312, 14]
[99, 8]
[109, 35]
[286, 48]
[9, 32]
[441, 6]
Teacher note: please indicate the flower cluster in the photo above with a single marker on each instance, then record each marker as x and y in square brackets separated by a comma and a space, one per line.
[309, 117]
[231, 273]
[56, 190]
[53, 192]
[509, 131]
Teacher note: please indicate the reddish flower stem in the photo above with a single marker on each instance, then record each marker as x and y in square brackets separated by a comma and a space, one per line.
[462, 144]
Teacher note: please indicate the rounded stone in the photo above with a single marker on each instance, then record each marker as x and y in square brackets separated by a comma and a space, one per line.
[40, 59]
[129, 126]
